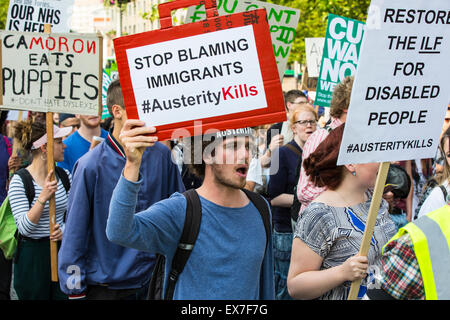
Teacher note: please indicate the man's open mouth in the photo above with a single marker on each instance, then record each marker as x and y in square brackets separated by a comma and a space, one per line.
[242, 170]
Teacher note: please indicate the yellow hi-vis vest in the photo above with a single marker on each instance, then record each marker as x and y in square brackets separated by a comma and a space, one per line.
[430, 236]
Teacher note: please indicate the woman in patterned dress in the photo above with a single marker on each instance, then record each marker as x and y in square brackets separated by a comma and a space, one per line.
[328, 235]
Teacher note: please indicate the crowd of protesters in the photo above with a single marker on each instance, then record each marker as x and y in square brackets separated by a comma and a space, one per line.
[279, 218]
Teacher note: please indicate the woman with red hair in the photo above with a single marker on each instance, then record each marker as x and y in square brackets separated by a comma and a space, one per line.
[329, 233]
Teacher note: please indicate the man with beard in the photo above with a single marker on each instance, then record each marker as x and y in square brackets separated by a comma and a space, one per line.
[232, 257]
[80, 141]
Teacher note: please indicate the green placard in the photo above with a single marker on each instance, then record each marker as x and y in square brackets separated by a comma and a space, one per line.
[340, 55]
[282, 21]
[105, 84]
[110, 73]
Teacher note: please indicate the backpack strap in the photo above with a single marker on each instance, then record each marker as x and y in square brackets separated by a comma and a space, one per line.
[294, 149]
[62, 174]
[188, 237]
[27, 180]
[191, 229]
[263, 209]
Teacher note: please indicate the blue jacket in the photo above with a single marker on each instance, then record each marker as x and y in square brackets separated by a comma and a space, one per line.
[86, 256]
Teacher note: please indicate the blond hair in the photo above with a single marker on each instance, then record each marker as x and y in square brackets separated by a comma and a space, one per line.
[303, 107]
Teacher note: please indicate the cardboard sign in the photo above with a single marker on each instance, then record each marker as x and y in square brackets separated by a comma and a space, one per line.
[50, 72]
[340, 55]
[221, 71]
[31, 15]
[282, 20]
[314, 51]
[401, 90]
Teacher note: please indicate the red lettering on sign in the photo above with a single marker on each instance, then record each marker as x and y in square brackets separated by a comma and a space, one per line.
[238, 91]
[90, 47]
[36, 41]
[61, 44]
[63, 41]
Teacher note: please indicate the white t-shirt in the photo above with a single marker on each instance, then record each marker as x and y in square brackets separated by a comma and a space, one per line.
[435, 200]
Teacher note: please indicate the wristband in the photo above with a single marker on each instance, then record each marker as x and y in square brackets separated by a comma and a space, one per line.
[38, 200]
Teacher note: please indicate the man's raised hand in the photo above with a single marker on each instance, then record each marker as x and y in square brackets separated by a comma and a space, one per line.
[135, 138]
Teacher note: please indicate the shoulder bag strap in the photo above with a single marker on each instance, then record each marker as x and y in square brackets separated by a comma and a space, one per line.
[62, 174]
[189, 235]
[294, 149]
[27, 180]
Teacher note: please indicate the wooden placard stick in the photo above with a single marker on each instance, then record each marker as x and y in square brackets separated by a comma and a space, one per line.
[303, 85]
[51, 202]
[370, 223]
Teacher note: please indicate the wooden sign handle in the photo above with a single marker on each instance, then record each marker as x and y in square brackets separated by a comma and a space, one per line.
[51, 201]
[370, 223]
[165, 9]
[303, 85]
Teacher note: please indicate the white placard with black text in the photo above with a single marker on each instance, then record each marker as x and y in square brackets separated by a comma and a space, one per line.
[31, 15]
[401, 90]
[50, 72]
[314, 51]
[172, 80]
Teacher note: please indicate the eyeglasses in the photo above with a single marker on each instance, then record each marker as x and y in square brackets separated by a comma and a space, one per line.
[306, 122]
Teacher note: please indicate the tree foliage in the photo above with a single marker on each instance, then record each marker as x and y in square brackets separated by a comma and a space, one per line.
[4, 4]
[314, 18]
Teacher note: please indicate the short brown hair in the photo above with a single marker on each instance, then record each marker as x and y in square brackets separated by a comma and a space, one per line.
[114, 96]
[341, 97]
[321, 166]
[195, 165]
[292, 95]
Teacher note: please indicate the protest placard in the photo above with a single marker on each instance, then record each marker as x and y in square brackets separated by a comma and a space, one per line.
[314, 51]
[31, 15]
[340, 55]
[282, 21]
[400, 93]
[401, 90]
[221, 71]
[308, 83]
[106, 81]
[51, 72]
